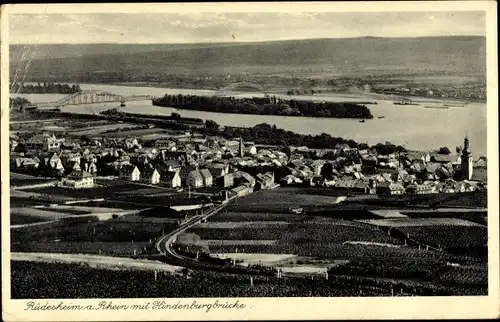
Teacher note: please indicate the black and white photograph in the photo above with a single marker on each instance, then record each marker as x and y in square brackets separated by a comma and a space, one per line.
[234, 154]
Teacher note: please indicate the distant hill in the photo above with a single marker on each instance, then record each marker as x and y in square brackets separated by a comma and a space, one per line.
[464, 55]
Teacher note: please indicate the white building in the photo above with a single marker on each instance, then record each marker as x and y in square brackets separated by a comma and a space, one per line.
[79, 179]
[194, 179]
[130, 172]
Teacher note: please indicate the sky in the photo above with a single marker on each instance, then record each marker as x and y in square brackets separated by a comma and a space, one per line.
[245, 27]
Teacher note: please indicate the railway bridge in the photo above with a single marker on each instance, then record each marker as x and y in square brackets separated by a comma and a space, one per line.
[95, 96]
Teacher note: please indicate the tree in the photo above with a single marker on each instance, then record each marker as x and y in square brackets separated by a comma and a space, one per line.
[209, 124]
[175, 116]
[327, 170]
[444, 150]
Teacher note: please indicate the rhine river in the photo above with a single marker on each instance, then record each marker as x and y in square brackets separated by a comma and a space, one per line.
[415, 127]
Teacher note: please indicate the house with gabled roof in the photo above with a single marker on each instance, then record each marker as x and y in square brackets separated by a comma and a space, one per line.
[194, 179]
[150, 175]
[26, 163]
[72, 166]
[54, 162]
[218, 169]
[418, 156]
[225, 181]
[130, 172]
[207, 177]
[264, 180]
[79, 179]
[391, 188]
[171, 178]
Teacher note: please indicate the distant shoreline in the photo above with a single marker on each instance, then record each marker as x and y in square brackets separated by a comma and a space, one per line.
[281, 90]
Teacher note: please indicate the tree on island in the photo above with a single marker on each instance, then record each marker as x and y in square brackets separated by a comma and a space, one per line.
[444, 150]
[209, 124]
[175, 116]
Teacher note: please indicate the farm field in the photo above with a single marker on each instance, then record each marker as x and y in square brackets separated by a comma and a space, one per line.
[420, 222]
[46, 214]
[479, 217]
[110, 230]
[119, 236]
[95, 192]
[96, 261]
[97, 248]
[133, 132]
[280, 201]
[448, 236]
[95, 130]
[297, 233]
[228, 242]
[24, 219]
[255, 216]
[429, 271]
[20, 179]
[50, 280]
[243, 224]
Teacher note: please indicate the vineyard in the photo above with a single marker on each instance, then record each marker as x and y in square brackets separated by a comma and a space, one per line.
[437, 271]
[449, 236]
[256, 216]
[298, 233]
[335, 251]
[279, 201]
[102, 248]
[105, 231]
[421, 222]
[50, 280]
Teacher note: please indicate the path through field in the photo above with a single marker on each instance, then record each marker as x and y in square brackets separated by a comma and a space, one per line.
[118, 263]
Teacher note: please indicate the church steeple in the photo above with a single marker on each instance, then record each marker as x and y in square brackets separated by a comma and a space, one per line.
[242, 148]
[466, 167]
[466, 150]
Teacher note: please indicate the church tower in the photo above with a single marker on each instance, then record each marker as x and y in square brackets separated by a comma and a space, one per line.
[466, 168]
[241, 149]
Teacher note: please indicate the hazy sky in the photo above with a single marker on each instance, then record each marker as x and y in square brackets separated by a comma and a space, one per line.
[220, 27]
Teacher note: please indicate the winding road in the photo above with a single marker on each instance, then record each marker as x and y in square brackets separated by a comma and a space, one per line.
[164, 243]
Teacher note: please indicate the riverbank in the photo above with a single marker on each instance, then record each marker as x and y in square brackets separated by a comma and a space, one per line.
[283, 89]
[416, 127]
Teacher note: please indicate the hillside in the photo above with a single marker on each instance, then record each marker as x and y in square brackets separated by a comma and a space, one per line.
[363, 56]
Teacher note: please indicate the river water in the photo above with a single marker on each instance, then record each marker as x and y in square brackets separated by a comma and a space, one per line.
[413, 126]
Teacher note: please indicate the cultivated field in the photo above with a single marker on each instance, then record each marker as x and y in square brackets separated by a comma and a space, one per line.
[50, 280]
[420, 222]
[119, 236]
[131, 132]
[279, 201]
[449, 236]
[95, 130]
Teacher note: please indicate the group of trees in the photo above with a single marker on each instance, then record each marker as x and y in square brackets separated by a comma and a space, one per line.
[270, 134]
[269, 105]
[19, 102]
[388, 148]
[45, 88]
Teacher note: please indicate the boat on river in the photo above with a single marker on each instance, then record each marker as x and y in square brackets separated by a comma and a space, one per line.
[381, 117]
[361, 121]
